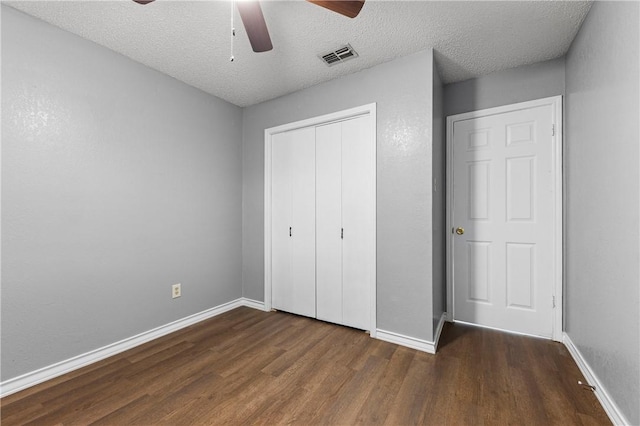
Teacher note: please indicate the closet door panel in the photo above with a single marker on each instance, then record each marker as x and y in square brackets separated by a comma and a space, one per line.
[303, 182]
[358, 221]
[328, 223]
[281, 218]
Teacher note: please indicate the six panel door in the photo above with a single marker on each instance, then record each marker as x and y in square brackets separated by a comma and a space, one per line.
[503, 211]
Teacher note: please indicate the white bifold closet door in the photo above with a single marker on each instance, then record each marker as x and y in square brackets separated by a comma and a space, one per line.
[293, 222]
[345, 222]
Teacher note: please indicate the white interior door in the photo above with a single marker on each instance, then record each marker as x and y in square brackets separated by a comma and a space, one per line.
[329, 222]
[345, 222]
[503, 208]
[320, 178]
[358, 221]
[293, 221]
[281, 220]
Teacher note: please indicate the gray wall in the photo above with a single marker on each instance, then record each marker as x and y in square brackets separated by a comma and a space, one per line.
[536, 81]
[117, 181]
[439, 206]
[402, 89]
[602, 206]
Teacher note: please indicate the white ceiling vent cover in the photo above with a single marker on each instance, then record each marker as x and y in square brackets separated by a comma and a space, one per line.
[338, 56]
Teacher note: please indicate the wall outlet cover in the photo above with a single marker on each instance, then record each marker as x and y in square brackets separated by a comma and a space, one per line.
[176, 290]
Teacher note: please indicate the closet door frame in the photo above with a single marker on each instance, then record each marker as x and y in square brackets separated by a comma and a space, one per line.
[364, 110]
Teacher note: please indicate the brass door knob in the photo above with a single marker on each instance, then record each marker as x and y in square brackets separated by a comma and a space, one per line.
[459, 231]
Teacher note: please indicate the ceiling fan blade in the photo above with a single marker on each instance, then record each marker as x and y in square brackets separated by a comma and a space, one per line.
[254, 24]
[143, 1]
[349, 8]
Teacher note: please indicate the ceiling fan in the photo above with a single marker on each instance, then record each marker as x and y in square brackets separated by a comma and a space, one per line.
[256, 27]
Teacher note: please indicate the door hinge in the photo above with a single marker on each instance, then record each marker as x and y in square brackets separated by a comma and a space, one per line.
[553, 301]
[289, 231]
[553, 130]
[341, 233]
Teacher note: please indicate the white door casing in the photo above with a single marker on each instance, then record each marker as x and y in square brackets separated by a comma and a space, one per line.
[504, 190]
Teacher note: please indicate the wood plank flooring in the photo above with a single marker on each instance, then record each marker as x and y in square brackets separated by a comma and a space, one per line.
[252, 367]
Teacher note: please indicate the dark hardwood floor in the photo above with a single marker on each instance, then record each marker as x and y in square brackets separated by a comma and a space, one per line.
[248, 366]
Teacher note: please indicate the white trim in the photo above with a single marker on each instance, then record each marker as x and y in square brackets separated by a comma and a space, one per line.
[556, 104]
[412, 342]
[324, 119]
[449, 216]
[255, 304]
[502, 330]
[436, 335]
[368, 109]
[408, 341]
[609, 406]
[267, 219]
[558, 231]
[33, 378]
[374, 190]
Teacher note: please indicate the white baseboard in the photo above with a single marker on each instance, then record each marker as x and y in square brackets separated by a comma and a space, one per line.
[252, 303]
[27, 380]
[609, 406]
[412, 342]
[436, 339]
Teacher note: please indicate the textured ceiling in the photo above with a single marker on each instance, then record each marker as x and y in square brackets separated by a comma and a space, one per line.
[190, 40]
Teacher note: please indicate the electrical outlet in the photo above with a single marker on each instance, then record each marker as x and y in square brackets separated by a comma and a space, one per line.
[176, 291]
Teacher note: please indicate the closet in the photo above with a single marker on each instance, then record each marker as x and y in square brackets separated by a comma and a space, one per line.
[322, 215]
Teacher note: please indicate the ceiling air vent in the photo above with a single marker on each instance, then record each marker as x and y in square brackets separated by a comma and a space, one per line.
[337, 56]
